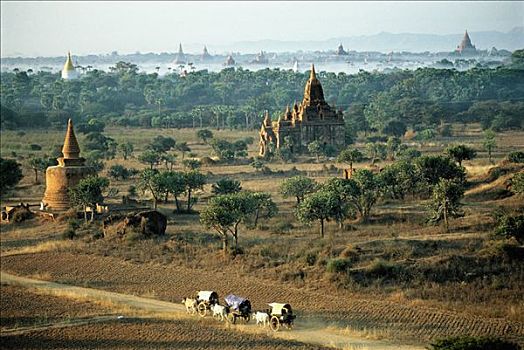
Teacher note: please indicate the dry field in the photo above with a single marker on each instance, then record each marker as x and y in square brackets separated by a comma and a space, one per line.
[432, 284]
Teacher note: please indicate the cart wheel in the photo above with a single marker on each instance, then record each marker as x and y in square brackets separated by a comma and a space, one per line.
[202, 309]
[274, 323]
[231, 318]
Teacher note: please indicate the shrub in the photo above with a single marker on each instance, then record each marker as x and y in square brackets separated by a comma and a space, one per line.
[35, 147]
[69, 233]
[382, 268]
[473, 343]
[516, 157]
[338, 265]
[511, 226]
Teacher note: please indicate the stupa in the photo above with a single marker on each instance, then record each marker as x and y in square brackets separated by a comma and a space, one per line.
[466, 47]
[341, 51]
[70, 170]
[69, 72]
[180, 57]
[205, 55]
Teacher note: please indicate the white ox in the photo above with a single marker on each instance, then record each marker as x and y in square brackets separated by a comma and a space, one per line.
[220, 312]
[190, 304]
[261, 318]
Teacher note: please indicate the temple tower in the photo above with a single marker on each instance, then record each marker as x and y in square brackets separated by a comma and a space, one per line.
[205, 55]
[465, 46]
[69, 72]
[180, 57]
[70, 170]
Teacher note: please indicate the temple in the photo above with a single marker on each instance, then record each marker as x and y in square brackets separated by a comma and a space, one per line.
[230, 61]
[311, 120]
[180, 57]
[70, 170]
[69, 72]
[205, 55]
[466, 47]
[341, 51]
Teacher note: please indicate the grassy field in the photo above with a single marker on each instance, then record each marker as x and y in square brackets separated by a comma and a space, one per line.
[406, 280]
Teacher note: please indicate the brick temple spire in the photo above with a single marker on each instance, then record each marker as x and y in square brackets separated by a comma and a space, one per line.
[71, 149]
[313, 93]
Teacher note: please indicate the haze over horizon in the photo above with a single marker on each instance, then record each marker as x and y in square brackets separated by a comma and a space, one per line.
[52, 28]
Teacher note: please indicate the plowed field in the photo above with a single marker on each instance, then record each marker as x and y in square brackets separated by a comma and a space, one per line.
[171, 283]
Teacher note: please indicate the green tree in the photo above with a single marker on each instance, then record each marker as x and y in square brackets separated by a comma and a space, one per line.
[350, 156]
[341, 189]
[162, 144]
[510, 226]
[315, 148]
[257, 163]
[489, 142]
[434, 168]
[150, 157]
[88, 192]
[363, 191]
[517, 183]
[226, 186]
[195, 180]
[376, 151]
[318, 206]
[298, 187]
[516, 157]
[10, 174]
[40, 165]
[459, 153]
[204, 135]
[126, 149]
[175, 184]
[393, 146]
[445, 203]
[224, 213]
[183, 148]
[154, 182]
[192, 164]
[264, 205]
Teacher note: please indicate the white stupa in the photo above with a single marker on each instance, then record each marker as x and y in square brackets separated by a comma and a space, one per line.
[69, 72]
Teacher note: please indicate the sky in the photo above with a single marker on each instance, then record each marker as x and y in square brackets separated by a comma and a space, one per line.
[40, 28]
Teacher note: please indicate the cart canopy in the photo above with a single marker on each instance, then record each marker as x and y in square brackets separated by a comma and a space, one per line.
[207, 295]
[234, 301]
[280, 309]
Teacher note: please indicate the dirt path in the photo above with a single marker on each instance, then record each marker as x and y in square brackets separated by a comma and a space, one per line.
[313, 332]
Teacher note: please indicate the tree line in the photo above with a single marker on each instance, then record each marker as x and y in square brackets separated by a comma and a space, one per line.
[236, 98]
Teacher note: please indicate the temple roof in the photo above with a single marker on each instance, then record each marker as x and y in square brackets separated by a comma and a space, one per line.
[71, 149]
[68, 66]
[313, 92]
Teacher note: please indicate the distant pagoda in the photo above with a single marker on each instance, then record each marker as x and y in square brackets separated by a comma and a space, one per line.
[230, 61]
[340, 50]
[465, 46]
[205, 55]
[69, 72]
[180, 57]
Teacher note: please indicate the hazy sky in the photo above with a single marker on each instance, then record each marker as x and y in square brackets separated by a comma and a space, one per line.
[52, 28]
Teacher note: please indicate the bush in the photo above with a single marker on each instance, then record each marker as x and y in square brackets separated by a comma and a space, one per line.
[21, 215]
[338, 265]
[511, 226]
[516, 157]
[382, 268]
[35, 147]
[473, 343]
[69, 233]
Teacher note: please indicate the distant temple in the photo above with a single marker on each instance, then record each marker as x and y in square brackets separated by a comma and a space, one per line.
[180, 57]
[205, 55]
[340, 50]
[311, 120]
[465, 46]
[229, 61]
[69, 72]
[260, 58]
[70, 170]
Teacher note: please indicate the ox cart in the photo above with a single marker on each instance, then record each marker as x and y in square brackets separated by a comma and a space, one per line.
[238, 308]
[205, 301]
[281, 314]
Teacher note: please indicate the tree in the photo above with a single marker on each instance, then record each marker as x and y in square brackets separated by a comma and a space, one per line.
[155, 182]
[510, 226]
[434, 168]
[399, 178]
[376, 151]
[223, 149]
[257, 163]
[88, 192]
[40, 165]
[445, 202]
[264, 206]
[126, 149]
[162, 144]
[341, 189]
[194, 181]
[363, 191]
[10, 174]
[119, 172]
[460, 153]
[298, 187]
[516, 157]
[318, 206]
[175, 184]
[204, 135]
[393, 146]
[150, 157]
[224, 213]
[489, 142]
[350, 156]
[183, 148]
[226, 186]
[192, 164]
[316, 149]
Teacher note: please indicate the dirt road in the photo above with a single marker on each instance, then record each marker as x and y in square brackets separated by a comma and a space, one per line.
[312, 332]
